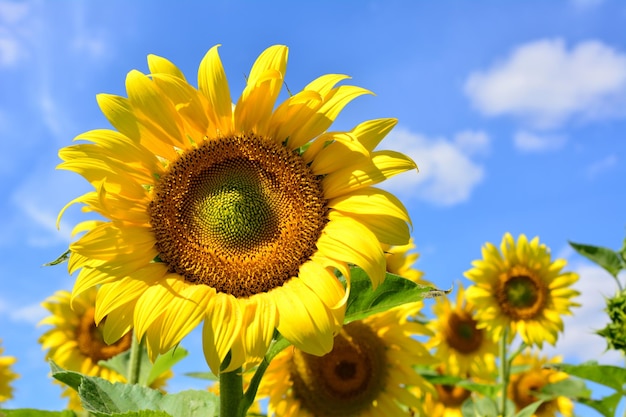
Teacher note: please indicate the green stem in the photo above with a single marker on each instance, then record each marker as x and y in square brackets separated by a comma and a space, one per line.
[504, 371]
[231, 393]
[248, 397]
[134, 362]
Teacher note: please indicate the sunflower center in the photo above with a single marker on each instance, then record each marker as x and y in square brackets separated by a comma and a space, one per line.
[452, 396]
[462, 334]
[345, 381]
[91, 343]
[521, 295]
[240, 214]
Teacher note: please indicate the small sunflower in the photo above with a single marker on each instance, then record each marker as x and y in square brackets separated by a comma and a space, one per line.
[367, 373]
[466, 349]
[523, 385]
[235, 216]
[75, 343]
[6, 376]
[400, 262]
[446, 401]
[522, 288]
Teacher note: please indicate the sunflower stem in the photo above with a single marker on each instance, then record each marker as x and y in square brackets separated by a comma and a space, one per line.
[134, 362]
[250, 394]
[504, 371]
[231, 393]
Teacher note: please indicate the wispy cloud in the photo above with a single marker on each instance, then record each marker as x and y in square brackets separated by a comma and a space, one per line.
[601, 166]
[30, 314]
[546, 84]
[448, 172]
[533, 142]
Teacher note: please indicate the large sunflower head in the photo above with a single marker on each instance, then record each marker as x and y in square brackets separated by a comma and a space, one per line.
[75, 343]
[458, 341]
[367, 373]
[7, 376]
[524, 385]
[235, 216]
[522, 287]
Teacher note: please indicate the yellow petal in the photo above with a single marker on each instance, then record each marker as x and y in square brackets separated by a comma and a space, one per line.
[371, 200]
[349, 241]
[222, 326]
[160, 65]
[256, 103]
[213, 84]
[259, 322]
[383, 165]
[303, 318]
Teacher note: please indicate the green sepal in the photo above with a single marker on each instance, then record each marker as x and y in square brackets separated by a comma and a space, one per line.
[62, 258]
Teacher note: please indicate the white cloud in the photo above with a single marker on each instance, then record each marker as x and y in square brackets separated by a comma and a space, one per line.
[31, 314]
[586, 4]
[601, 166]
[594, 285]
[12, 32]
[447, 174]
[13, 12]
[547, 84]
[532, 142]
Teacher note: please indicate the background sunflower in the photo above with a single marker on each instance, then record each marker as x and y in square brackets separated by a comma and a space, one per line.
[467, 350]
[367, 373]
[7, 376]
[519, 286]
[531, 379]
[75, 343]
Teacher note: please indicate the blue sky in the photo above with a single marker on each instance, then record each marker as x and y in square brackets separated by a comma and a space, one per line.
[512, 110]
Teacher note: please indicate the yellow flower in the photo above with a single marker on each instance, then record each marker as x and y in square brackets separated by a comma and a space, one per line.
[367, 373]
[522, 288]
[400, 262]
[6, 376]
[466, 349]
[75, 343]
[446, 401]
[236, 216]
[524, 384]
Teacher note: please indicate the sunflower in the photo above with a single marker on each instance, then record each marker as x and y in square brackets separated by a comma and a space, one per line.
[400, 262]
[75, 343]
[366, 373]
[523, 385]
[235, 216]
[6, 376]
[466, 349]
[446, 401]
[522, 288]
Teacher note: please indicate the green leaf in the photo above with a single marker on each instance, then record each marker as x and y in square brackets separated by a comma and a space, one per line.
[530, 409]
[607, 406]
[570, 387]
[69, 378]
[143, 413]
[163, 364]
[102, 397]
[608, 259]
[62, 258]
[148, 371]
[607, 375]
[364, 301]
[488, 390]
[479, 407]
[209, 376]
[29, 412]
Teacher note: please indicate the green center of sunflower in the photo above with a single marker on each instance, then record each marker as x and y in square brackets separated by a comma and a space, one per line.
[462, 334]
[92, 344]
[347, 380]
[240, 214]
[522, 294]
